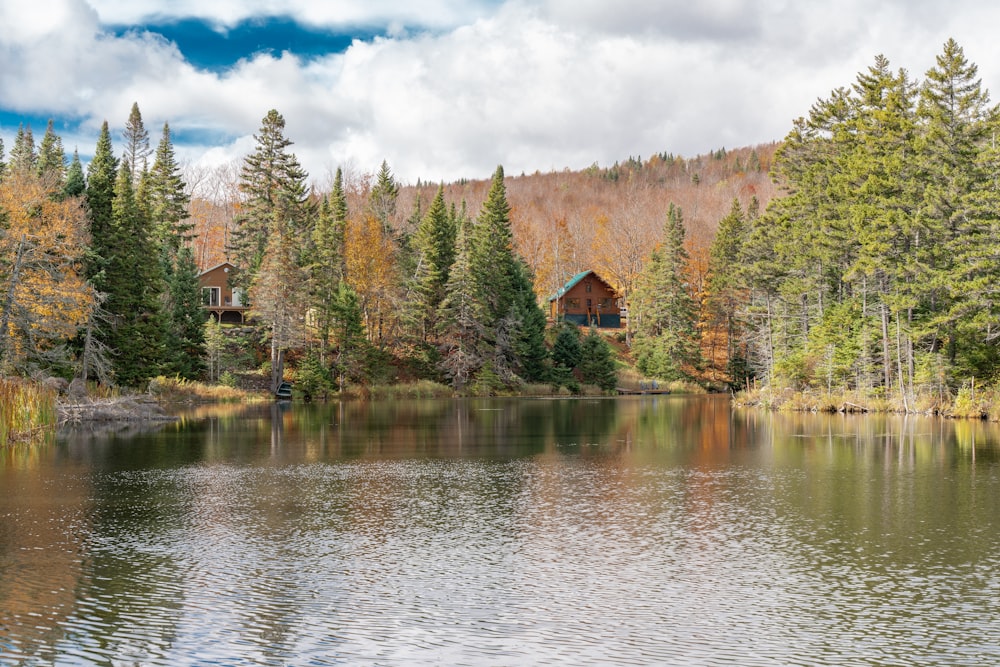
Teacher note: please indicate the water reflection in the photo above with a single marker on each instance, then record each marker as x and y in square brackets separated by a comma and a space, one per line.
[649, 530]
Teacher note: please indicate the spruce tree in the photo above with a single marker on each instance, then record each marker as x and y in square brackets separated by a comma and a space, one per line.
[666, 338]
[23, 156]
[273, 185]
[326, 267]
[461, 332]
[383, 197]
[434, 250]
[168, 199]
[185, 337]
[75, 184]
[597, 364]
[134, 284]
[101, 177]
[51, 156]
[136, 139]
[954, 129]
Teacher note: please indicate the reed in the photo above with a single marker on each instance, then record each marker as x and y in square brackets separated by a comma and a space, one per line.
[179, 390]
[26, 409]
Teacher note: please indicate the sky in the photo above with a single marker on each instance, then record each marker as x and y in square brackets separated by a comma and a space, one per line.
[449, 89]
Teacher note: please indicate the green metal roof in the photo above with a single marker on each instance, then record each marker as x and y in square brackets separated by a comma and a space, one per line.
[570, 285]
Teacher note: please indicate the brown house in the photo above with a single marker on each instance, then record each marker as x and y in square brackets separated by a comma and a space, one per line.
[587, 299]
[222, 302]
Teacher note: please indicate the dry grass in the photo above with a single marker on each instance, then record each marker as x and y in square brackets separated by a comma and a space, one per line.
[176, 390]
[26, 409]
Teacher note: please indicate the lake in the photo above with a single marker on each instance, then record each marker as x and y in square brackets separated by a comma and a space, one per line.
[662, 530]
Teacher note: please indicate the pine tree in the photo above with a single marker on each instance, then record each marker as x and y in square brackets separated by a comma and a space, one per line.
[491, 256]
[273, 185]
[531, 357]
[725, 295]
[168, 199]
[101, 177]
[461, 332]
[434, 249]
[134, 285]
[136, 138]
[954, 128]
[383, 197]
[597, 364]
[666, 338]
[51, 157]
[23, 156]
[185, 337]
[326, 264]
[349, 335]
[75, 184]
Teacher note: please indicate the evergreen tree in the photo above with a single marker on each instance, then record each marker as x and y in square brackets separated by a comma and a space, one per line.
[101, 177]
[51, 157]
[136, 138]
[383, 197]
[724, 289]
[168, 199]
[3, 165]
[491, 256]
[185, 338]
[954, 128]
[23, 156]
[273, 185]
[597, 364]
[434, 249]
[134, 285]
[461, 331]
[666, 338]
[326, 267]
[567, 352]
[530, 356]
[75, 184]
[349, 335]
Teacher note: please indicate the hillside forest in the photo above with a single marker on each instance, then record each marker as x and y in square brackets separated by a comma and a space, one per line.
[858, 254]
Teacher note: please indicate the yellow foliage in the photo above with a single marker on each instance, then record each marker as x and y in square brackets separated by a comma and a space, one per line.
[50, 298]
[370, 258]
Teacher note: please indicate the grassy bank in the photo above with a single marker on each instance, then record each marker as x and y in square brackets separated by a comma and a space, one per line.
[26, 409]
[176, 390]
[970, 402]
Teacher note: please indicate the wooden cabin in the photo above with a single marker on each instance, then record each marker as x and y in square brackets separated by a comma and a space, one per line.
[222, 303]
[588, 300]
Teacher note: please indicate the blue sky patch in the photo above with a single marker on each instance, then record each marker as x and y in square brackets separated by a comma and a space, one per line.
[209, 48]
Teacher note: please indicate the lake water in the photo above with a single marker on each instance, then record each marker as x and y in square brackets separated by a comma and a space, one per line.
[631, 531]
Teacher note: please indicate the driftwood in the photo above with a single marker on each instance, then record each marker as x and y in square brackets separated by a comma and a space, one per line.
[124, 409]
[852, 407]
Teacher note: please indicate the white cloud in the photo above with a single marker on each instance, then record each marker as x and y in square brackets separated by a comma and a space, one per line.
[532, 85]
[227, 13]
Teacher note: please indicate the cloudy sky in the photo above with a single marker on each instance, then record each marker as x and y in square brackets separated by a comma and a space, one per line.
[445, 89]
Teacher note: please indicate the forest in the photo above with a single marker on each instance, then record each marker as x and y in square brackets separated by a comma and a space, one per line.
[856, 255]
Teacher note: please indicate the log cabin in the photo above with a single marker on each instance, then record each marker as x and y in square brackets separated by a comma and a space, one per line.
[588, 300]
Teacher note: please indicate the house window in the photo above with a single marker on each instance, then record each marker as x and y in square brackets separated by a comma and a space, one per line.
[210, 296]
[587, 287]
[572, 304]
[604, 304]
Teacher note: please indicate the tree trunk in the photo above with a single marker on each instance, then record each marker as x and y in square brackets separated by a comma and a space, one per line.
[277, 362]
[886, 354]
